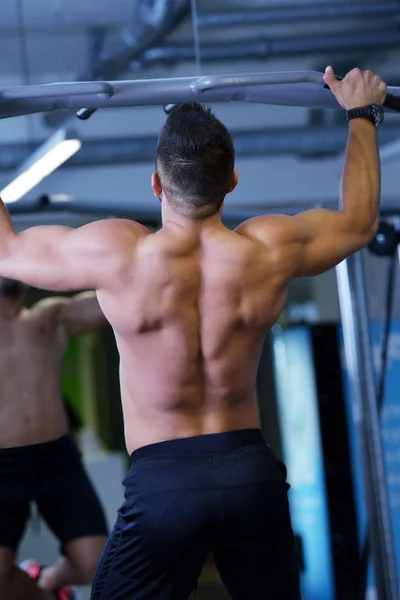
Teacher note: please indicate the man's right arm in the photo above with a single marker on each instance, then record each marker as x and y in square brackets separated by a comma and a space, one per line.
[317, 240]
[66, 259]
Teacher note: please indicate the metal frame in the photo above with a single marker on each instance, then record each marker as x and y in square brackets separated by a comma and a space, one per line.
[145, 29]
[303, 12]
[291, 88]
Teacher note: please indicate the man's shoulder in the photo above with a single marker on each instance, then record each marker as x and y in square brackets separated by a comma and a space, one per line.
[118, 227]
[268, 229]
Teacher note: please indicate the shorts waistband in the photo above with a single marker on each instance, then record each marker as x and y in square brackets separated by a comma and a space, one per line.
[201, 444]
[40, 449]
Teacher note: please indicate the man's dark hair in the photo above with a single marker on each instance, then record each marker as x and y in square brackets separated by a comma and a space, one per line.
[195, 160]
[10, 288]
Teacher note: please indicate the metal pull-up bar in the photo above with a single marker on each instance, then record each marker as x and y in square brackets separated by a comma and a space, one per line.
[289, 88]
[51, 90]
[251, 79]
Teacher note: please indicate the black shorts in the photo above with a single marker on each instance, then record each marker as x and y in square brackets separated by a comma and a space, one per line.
[225, 493]
[51, 475]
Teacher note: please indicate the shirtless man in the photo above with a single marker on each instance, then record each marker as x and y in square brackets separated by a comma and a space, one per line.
[38, 460]
[190, 305]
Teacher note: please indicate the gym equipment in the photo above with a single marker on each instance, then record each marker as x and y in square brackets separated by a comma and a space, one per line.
[358, 356]
[287, 88]
[385, 241]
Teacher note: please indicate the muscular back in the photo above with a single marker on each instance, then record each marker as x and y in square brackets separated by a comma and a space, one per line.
[189, 320]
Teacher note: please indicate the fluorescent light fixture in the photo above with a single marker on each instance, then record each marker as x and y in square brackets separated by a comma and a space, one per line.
[46, 159]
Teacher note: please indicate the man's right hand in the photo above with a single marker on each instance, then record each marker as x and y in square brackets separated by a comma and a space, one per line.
[357, 89]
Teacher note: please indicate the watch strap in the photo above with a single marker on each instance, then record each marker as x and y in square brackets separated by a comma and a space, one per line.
[372, 112]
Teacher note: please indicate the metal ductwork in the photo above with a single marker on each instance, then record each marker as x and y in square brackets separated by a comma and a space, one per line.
[307, 142]
[306, 12]
[271, 48]
[152, 21]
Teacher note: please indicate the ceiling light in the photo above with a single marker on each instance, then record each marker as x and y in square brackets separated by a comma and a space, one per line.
[46, 159]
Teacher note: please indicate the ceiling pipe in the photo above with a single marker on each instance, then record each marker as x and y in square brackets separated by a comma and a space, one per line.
[306, 12]
[152, 21]
[271, 48]
[315, 141]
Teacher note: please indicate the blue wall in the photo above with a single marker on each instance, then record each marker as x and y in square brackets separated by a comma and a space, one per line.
[390, 427]
[302, 450]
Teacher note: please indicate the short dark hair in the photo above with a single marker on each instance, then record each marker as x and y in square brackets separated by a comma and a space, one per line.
[12, 289]
[195, 160]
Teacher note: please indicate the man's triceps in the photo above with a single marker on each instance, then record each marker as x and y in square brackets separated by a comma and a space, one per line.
[328, 237]
[66, 259]
[49, 257]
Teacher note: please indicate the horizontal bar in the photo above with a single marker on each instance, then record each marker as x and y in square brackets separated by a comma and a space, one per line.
[171, 91]
[224, 81]
[50, 90]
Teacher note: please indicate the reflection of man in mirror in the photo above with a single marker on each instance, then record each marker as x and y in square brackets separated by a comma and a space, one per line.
[39, 462]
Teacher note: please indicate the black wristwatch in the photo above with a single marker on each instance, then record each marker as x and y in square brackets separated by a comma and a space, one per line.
[373, 112]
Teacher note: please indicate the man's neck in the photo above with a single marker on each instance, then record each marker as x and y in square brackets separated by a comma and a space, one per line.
[170, 217]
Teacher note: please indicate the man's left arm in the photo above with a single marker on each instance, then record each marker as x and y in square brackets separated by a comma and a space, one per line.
[82, 314]
[66, 259]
